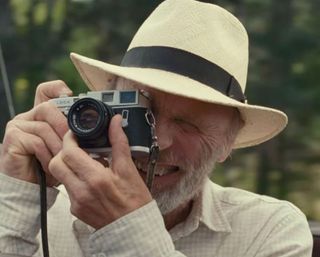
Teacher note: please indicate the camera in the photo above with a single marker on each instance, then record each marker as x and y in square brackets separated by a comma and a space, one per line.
[89, 117]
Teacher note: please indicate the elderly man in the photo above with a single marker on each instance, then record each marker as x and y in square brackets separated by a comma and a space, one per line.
[190, 58]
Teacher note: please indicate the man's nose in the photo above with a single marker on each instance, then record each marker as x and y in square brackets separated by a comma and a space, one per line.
[165, 135]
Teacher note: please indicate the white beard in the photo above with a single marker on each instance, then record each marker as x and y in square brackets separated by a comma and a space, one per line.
[187, 188]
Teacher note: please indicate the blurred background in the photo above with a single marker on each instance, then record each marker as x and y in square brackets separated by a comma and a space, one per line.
[37, 36]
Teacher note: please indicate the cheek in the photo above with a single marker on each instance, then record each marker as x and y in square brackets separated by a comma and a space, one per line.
[196, 148]
[191, 148]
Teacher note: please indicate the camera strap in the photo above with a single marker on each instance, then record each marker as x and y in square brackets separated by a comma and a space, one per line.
[43, 208]
[154, 150]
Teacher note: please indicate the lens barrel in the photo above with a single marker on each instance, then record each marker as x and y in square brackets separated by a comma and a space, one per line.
[89, 118]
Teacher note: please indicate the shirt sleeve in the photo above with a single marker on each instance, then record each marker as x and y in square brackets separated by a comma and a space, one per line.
[140, 233]
[289, 237]
[20, 216]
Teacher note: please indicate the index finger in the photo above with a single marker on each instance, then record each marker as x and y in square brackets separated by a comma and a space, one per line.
[51, 89]
[77, 159]
[49, 113]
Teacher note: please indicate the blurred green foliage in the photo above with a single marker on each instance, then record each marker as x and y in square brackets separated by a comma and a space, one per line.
[37, 37]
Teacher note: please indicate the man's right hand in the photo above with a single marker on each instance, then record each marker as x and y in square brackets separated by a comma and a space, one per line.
[36, 134]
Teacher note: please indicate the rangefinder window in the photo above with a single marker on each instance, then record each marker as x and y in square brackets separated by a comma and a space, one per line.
[107, 97]
[127, 97]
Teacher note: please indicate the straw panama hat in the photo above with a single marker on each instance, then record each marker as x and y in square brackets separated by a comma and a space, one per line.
[195, 50]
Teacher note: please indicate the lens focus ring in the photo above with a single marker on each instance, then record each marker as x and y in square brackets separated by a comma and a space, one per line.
[89, 118]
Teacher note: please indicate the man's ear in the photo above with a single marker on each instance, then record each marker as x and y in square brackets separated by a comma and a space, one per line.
[236, 125]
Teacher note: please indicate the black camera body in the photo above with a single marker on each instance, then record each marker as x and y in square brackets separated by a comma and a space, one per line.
[89, 117]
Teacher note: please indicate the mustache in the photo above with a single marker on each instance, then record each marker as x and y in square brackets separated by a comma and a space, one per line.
[177, 159]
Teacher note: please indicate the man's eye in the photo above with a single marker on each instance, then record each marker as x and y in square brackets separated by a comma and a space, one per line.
[185, 124]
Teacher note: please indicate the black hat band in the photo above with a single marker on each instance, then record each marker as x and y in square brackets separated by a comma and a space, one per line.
[187, 64]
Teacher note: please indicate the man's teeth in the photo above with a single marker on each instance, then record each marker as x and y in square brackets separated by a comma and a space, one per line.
[159, 171]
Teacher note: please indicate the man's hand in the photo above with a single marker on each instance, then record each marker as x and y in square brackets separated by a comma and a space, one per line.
[37, 133]
[98, 194]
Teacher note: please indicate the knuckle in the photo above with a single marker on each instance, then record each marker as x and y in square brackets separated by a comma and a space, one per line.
[46, 86]
[18, 117]
[11, 133]
[123, 143]
[59, 82]
[62, 83]
[68, 154]
[45, 106]
[97, 182]
[48, 90]
[42, 110]
[41, 87]
[39, 146]
[41, 128]
[10, 125]
[53, 164]
[24, 115]
[81, 198]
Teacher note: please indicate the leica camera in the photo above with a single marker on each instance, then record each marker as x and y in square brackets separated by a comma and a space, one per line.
[89, 117]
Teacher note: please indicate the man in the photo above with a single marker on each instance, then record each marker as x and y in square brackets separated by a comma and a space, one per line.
[191, 58]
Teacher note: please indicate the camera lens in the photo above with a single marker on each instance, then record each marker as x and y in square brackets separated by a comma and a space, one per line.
[89, 118]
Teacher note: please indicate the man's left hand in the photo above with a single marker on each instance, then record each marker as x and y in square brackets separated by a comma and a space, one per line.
[99, 195]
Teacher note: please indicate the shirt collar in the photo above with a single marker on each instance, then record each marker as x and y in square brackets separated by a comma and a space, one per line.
[206, 210]
[212, 213]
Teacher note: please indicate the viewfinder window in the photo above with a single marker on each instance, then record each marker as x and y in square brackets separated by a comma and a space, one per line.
[128, 97]
[107, 97]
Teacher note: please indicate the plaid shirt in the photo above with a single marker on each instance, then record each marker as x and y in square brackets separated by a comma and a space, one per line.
[224, 222]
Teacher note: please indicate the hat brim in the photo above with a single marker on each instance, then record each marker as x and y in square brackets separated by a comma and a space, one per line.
[261, 123]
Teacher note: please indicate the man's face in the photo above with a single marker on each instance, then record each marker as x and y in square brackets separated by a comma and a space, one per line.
[192, 137]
